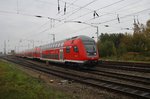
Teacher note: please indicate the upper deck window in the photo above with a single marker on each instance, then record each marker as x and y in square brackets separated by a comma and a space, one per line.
[62, 44]
[67, 49]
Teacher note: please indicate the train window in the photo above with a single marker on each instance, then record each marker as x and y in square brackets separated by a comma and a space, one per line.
[62, 44]
[67, 49]
[75, 48]
[57, 45]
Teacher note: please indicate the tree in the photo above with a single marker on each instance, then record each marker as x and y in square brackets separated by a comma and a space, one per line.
[118, 44]
[121, 49]
[107, 48]
[147, 36]
[139, 42]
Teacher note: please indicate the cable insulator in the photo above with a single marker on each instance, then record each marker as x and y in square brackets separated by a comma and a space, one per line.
[58, 7]
[94, 14]
[65, 9]
[97, 14]
[118, 18]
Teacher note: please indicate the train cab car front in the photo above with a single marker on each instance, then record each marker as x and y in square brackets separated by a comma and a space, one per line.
[82, 51]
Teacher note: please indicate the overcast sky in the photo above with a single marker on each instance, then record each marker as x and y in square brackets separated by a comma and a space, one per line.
[19, 25]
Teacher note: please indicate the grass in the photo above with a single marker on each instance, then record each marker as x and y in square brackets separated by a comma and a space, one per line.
[15, 84]
[128, 58]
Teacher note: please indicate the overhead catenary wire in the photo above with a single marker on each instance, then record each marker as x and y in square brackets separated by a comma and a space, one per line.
[132, 21]
[25, 14]
[114, 11]
[75, 5]
[111, 11]
[125, 16]
[97, 9]
[87, 27]
[53, 19]
[37, 29]
[52, 22]
[122, 16]
[72, 4]
[38, 33]
[80, 8]
[68, 5]
[122, 22]
[19, 10]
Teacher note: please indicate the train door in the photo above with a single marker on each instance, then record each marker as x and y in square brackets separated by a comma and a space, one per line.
[61, 55]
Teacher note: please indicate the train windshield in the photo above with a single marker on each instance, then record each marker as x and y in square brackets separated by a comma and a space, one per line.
[90, 47]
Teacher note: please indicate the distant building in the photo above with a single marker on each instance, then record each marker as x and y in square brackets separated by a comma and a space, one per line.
[12, 52]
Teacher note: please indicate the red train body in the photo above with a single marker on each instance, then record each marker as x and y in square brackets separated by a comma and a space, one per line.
[77, 50]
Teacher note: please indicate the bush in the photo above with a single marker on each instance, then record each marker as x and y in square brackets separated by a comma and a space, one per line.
[121, 49]
[107, 49]
[134, 56]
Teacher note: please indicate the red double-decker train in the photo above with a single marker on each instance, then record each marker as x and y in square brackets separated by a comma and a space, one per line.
[79, 50]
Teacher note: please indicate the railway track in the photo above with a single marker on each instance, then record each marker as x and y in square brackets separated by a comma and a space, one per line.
[122, 66]
[133, 90]
[121, 76]
[136, 64]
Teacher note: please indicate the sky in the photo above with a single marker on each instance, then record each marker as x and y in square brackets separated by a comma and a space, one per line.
[28, 23]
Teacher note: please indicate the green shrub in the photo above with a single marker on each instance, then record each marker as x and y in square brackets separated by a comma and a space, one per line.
[107, 49]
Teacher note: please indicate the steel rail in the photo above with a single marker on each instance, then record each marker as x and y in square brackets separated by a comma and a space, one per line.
[127, 89]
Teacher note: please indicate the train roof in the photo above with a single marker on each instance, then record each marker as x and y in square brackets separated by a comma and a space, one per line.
[83, 38]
